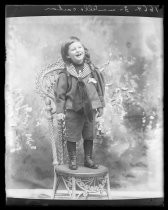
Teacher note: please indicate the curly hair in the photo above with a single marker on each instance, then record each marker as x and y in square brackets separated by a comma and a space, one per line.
[65, 46]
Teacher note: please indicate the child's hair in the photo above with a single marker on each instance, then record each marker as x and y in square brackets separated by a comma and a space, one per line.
[65, 47]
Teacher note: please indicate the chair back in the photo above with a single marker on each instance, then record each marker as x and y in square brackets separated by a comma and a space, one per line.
[45, 82]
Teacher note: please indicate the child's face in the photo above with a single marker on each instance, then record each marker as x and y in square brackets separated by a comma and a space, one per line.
[76, 52]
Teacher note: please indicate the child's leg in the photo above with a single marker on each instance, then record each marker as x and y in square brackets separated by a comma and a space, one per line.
[88, 133]
[74, 124]
[89, 128]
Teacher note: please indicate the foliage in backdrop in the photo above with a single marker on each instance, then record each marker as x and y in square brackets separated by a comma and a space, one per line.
[130, 142]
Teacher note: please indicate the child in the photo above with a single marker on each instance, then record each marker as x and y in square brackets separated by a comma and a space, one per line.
[79, 93]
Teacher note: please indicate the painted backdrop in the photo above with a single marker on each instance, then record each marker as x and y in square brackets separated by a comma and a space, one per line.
[131, 143]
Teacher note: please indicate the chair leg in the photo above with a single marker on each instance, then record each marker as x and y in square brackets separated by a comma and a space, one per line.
[73, 188]
[108, 185]
[56, 184]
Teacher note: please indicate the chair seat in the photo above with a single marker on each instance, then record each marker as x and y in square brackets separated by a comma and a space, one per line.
[81, 171]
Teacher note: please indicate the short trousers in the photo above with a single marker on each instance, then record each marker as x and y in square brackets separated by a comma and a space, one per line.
[77, 126]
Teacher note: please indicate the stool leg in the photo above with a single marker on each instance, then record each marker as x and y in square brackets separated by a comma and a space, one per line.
[56, 184]
[73, 188]
[108, 185]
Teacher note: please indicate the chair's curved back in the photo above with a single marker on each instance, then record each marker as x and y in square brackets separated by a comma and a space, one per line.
[45, 82]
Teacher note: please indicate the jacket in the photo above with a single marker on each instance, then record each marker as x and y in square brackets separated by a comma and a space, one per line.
[66, 85]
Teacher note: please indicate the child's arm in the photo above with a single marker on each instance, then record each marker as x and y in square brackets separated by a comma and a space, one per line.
[60, 90]
[100, 88]
[100, 85]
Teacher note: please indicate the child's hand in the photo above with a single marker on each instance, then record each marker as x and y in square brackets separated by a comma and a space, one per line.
[99, 112]
[60, 116]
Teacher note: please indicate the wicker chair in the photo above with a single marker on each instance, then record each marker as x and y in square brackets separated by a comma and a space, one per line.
[79, 183]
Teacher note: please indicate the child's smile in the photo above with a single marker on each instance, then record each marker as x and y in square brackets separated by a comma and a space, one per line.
[76, 52]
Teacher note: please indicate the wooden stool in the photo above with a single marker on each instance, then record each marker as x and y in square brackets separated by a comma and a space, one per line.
[88, 181]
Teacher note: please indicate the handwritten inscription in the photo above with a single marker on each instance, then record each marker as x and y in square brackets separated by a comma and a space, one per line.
[99, 8]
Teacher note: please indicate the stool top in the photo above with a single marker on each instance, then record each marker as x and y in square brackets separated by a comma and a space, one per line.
[81, 171]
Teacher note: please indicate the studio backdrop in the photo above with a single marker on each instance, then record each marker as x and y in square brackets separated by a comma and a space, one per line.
[130, 143]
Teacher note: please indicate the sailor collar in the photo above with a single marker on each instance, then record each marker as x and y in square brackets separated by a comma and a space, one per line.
[82, 74]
